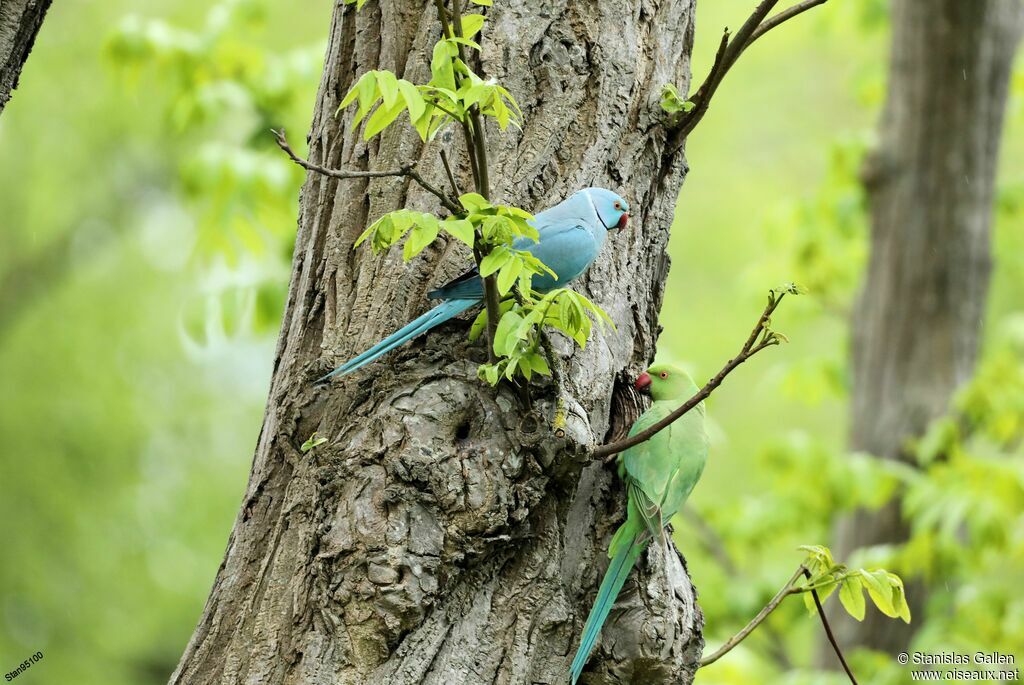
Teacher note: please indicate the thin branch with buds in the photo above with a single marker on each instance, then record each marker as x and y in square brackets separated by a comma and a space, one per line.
[760, 338]
[729, 51]
[408, 171]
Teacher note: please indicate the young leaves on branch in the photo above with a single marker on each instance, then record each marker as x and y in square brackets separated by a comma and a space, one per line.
[672, 102]
[517, 342]
[451, 92]
[884, 588]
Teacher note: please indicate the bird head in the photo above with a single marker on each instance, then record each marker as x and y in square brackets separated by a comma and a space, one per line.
[611, 209]
[666, 382]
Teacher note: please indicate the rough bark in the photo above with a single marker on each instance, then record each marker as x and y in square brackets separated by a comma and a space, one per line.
[19, 23]
[930, 184]
[444, 534]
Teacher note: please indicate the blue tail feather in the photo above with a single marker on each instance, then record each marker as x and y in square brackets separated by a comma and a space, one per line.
[614, 579]
[418, 326]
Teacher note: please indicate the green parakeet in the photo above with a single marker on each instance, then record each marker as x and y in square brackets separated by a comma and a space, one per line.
[659, 475]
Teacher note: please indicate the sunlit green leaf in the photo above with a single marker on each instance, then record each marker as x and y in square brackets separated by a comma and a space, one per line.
[413, 100]
[508, 274]
[460, 229]
[851, 595]
[313, 441]
[387, 83]
[498, 257]
[381, 118]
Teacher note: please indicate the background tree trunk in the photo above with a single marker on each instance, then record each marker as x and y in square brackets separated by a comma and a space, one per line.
[444, 534]
[930, 185]
[19, 23]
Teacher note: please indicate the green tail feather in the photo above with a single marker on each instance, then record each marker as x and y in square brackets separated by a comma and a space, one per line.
[622, 563]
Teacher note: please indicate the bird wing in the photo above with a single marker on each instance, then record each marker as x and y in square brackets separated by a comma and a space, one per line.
[566, 246]
[666, 467]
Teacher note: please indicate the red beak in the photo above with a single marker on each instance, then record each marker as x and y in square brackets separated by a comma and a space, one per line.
[623, 220]
[643, 382]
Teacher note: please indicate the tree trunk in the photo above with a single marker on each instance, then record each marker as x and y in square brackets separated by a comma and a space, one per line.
[930, 185]
[444, 534]
[19, 23]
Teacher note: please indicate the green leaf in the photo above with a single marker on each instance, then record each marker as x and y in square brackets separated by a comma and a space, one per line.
[465, 41]
[366, 234]
[851, 595]
[505, 336]
[413, 100]
[498, 257]
[422, 235]
[353, 92]
[508, 274]
[880, 591]
[671, 101]
[474, 202]
[471, 25]
[899, 600]
[423, 123]
[507, 96]
[539, 364]
[501, 113]
[388, 85]
[460, 229]
[381, 119]
[493, 373]
[470, 95]
[485, 3]
[313, 441]
[368, 94]
[441, 66]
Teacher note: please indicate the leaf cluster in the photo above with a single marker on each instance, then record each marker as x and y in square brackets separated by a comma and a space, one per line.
[826, 576]
[518, 340]
[452, 90]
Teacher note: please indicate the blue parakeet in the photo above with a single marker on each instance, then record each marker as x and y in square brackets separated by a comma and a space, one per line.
[659, 475]
[571, 236]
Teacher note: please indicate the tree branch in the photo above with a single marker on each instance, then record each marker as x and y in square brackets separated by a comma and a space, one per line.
[479, 131]
[760, 338]
[729, 51]
[451, 176]
[21, 20]
[828, 628]
[786, 591]
[477, 149]
[467, 133]
[409, 171]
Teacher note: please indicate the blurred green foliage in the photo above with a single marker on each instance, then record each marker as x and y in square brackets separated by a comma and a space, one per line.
[786, 431]
[148, 222]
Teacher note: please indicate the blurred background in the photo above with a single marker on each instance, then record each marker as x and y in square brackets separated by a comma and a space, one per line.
[147, 226]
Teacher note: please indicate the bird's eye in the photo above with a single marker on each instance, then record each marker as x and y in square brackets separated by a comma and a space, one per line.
[618, 205]
[663, 374]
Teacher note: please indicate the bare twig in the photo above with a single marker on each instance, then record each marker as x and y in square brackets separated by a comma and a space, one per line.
[828, 629]
[451, 176]
[729, 51]
[786, 591]
[760, 338]
[782, 16]
[408, 171]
